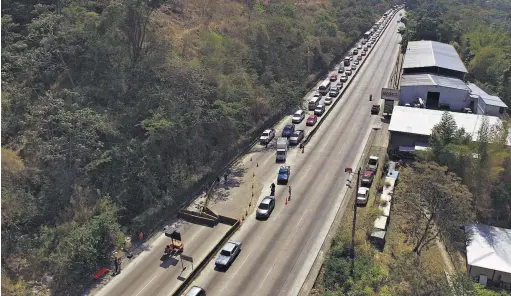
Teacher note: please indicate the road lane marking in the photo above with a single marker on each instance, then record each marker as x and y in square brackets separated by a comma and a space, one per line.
[145, 286]
[236, 272]
[193, 236]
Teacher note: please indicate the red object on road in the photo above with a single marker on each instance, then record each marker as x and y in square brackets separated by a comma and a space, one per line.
[101, 273]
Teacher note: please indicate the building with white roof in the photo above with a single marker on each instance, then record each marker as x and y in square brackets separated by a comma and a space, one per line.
[489, 255]
[433, 78]
[410, 128]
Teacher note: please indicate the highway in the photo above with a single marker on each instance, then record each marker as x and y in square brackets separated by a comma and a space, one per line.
[277, 254]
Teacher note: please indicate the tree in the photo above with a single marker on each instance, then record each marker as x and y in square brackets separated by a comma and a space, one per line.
[436, 201]
[460, 284]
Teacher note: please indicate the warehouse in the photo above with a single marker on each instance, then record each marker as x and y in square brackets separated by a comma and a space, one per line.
[433, 78]
[410, 128]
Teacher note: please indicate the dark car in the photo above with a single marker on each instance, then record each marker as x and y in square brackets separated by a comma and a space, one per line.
[375, 109]
[288, 130]
[296, 137]
[311, 120]
[283, 175]
[320, 109]
[334, 92]
[367, 178]
[229, 252]
[341, 70]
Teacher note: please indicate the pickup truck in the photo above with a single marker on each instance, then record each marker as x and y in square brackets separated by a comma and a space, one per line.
[372, 164]
[267, 136]
[367, 178]
[283, 176]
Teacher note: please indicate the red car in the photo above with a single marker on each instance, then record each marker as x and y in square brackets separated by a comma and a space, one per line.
[333, 77]
[311, 120]
[367, 178]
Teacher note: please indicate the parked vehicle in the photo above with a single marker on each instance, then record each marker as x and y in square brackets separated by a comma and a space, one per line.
[267, 136]
[311, 120]
[373, 163]
[362, 195]
[367, 178]
[375, 109]
[265, 207]
[228, 254]
[296, 137]
[298, 116]
[282, 147]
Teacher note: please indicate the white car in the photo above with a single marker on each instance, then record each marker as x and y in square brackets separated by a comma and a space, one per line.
[344, 78]
[362, 195]
[267, 136]
[328, 100]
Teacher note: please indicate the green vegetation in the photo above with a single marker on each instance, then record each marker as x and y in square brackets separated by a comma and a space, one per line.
[479, 30]
[114, 112]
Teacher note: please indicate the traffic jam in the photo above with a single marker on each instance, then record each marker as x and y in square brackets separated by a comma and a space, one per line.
[299, 125]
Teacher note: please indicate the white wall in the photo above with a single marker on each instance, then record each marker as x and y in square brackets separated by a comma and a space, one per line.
[456, 98]
[475, 272]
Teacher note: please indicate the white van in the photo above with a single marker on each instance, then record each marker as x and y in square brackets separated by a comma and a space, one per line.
[314, 102]
[298, 116]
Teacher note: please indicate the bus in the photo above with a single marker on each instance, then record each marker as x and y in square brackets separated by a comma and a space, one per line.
[347, 61]
[324, 88]
[367, 35]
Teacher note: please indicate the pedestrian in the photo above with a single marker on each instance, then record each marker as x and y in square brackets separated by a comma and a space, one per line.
[289, 190]
[303, 148]
[218, 179]
[119, 265]
[141, 236]
[272, 186]
[225, 178]
[116, 266]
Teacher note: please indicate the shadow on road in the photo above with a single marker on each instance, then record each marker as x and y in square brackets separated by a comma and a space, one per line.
[168, 261]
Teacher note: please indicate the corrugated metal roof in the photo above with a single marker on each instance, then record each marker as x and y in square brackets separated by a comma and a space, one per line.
[489, 247]
[421, 54]
[421, 121]
[432, 79]
[488, 99]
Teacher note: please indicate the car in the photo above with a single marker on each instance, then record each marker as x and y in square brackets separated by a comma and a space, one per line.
[341, 70]
[229, 252]
[265, 207]
[283, 175]
[311, 120]
[370, 44]
[328, 100]
[333, 93]
[367, 178]
[351, 58]
[353, 67]
[196, 291]
[363, 53]
[267, 136]
[333, 77]
[362, 195]
[359, 57]
[298, 116]
[343, 78]
[288, 130]
[375, 109]
[320, 109]
[296, 137]
[372, 164]
[356, 62]
[348, 72]
[339, 86]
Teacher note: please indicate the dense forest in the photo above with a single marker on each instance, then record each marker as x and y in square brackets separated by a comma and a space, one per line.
[459, 181]
[114, 112]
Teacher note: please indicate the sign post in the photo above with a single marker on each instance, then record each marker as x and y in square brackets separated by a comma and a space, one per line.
[186, 258]
[390, 96]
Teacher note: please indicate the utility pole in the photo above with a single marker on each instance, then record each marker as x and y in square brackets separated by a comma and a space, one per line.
[350, 171]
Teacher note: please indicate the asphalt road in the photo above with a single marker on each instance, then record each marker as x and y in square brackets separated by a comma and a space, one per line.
[278, 253]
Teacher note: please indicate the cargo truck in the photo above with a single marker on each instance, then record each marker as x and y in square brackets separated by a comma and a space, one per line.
[282, 146]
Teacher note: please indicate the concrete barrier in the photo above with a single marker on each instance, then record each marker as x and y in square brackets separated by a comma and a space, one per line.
[227, 220]
[186, 283]
[197, 218]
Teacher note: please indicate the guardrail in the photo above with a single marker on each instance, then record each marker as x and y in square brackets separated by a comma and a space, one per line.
[311, 133]
[186, 283]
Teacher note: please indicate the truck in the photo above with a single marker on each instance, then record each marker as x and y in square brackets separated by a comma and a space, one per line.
[388, 107]
[282, 146]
